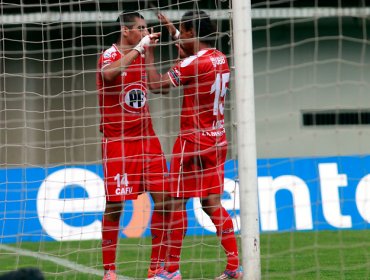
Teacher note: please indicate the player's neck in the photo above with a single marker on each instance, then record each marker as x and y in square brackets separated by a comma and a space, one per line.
[202, 46]
[123, 47]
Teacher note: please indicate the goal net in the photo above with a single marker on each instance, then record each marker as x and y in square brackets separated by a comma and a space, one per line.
[311, 117]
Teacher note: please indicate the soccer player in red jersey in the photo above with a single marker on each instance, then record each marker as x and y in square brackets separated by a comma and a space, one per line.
[133, 161]
[199, 153]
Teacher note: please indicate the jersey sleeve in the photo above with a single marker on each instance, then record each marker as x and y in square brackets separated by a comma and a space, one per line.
[183, 72]
[174, 75]
[110, 55]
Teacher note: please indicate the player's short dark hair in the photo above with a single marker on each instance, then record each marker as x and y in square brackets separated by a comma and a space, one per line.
[125, 18]
[202, 24]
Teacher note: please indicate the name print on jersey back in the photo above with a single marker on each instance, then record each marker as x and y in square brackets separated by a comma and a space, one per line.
[205, 77]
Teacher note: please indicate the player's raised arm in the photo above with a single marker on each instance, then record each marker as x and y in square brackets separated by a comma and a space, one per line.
[114, 69]
[164, 20]
[174, 32]
[111, 71]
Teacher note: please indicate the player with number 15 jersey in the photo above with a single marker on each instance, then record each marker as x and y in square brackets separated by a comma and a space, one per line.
[205, 77]
[199, 153]
[200, 150]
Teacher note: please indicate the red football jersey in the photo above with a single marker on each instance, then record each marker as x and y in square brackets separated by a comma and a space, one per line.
[205, 79]
[123, 102]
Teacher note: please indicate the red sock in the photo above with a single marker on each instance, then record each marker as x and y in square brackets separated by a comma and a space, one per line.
[176, 232]
[159, 239]
[109, 243]
[225, 232]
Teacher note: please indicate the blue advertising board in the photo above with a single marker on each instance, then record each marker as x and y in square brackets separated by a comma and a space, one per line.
[295, 194]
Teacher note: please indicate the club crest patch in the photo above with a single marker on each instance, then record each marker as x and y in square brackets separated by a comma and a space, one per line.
[133, 98]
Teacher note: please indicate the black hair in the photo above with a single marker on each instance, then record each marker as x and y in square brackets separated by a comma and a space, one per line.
[125, 18]
[202, 24]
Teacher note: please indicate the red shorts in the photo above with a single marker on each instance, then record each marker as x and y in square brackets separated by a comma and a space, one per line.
[197, 170]
[133, 167]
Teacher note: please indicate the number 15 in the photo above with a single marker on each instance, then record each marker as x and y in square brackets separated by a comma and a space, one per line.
[220, 89]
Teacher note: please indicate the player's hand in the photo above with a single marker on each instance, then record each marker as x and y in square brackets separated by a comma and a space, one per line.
[175, 34]
[146, 41]
[154, 37]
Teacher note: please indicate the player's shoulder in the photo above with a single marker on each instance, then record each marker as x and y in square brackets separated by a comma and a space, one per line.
[111, 53]
[209, 52]
[187, 61]
[200, 56]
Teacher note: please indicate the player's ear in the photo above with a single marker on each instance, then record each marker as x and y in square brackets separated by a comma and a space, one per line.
[189, 33]
[192, 33]
[124, 30]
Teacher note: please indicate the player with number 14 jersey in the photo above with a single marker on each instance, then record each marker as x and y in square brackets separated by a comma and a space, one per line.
[130, 146]
[123, 101]
[205, 77]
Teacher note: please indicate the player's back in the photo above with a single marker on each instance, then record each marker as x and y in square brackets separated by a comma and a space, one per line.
[205, 83]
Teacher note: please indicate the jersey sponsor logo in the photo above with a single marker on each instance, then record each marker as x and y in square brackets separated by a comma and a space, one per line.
[133, 98]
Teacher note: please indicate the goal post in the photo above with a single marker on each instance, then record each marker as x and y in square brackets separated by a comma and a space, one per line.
[246, 137]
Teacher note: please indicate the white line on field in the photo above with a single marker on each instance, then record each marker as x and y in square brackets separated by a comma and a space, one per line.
[59, 261]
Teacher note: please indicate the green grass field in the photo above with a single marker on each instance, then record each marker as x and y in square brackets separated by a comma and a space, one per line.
[303, 255]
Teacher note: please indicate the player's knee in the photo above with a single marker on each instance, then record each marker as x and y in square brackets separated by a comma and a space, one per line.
[159, 207]
[113, 211]
[211, 201]
[163, 206]
[178, 204]
[208, 210]
[211, 204]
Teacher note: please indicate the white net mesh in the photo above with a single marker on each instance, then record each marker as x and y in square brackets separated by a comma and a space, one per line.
[312, 116]
[312, 125]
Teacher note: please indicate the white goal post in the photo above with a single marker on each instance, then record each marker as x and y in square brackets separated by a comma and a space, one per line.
[246, 138]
